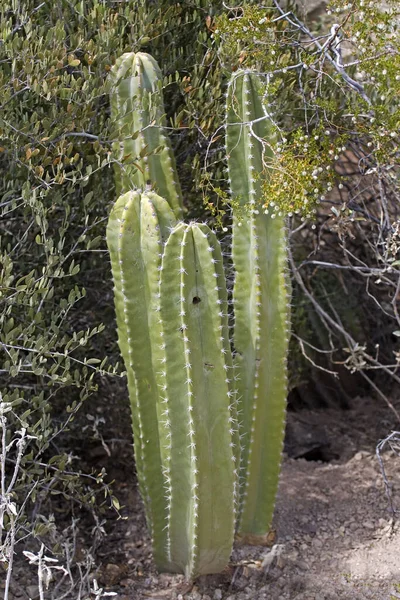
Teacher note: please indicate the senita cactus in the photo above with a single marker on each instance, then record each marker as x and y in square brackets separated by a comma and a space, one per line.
[143, 151]
[260, 305]
[200, 472]
[137, 228]
[173, 335]
[200, 462]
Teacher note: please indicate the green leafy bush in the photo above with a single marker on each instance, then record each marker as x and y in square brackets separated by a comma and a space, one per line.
[56, 188]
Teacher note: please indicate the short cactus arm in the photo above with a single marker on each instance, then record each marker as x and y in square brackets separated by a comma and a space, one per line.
[134, 238]
[260, 305]
[137, 108]
[201, 467]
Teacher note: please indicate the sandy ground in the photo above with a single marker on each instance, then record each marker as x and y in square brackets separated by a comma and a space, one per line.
[335, 539]
[335, 532]
[334, 535]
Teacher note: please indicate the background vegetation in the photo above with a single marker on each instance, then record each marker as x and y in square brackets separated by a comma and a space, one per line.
[334, 96]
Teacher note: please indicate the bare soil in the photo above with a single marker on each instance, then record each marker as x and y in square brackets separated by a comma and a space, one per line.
[334, 534]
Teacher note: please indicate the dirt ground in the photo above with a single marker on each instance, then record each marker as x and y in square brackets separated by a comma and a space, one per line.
[335, 532]
[334, 535]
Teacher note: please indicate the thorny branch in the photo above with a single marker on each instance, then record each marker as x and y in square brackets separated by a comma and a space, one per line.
[336, 62]
[359, 358]
[393, 441]
[374, 203]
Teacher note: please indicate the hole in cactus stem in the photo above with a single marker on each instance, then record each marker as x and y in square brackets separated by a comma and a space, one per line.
[196, 300]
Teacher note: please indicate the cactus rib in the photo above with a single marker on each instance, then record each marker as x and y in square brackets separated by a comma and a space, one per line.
[137, 226]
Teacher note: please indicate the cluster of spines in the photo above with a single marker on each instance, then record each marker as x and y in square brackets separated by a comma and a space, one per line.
[256, 260]
[143, 151]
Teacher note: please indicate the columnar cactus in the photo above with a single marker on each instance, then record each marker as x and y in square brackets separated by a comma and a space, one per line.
[200, 471]
[137, 229]
[143, 151]
[260, 305]
[201, 461]
[173, 335]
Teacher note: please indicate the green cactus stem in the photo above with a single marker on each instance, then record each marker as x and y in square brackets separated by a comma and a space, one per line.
[138, 227]
[143, 152]
[260, 306]
[201, 464]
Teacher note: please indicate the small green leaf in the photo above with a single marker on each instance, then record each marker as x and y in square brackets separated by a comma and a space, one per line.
[115, 502]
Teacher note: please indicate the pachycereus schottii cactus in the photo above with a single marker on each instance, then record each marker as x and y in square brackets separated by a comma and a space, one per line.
[260, 333]
[143, 152]
[207, 410]
[171, 305]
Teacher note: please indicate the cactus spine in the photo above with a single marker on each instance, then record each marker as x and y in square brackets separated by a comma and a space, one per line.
[136, 231]
[201, 462]
[260, 306]
[143, 150]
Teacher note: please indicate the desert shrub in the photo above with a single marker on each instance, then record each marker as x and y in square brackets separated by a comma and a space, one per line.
[57, 330]
[332, 90]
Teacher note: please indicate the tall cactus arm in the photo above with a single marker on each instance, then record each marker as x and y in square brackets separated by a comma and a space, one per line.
[201, 468]
[113, 242]
[260, 306]
[135, 237]
[137, 108]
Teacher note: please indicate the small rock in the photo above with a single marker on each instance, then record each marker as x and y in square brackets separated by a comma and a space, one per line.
[304, 547]
[302, 565]
[369, 525]
[217, 594]
[280, 562]
[382, 522]
[362, 454]
[32, 591]
[112, 574]
[206, 597]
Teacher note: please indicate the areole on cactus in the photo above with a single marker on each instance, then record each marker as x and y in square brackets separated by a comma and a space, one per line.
[208, 425]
